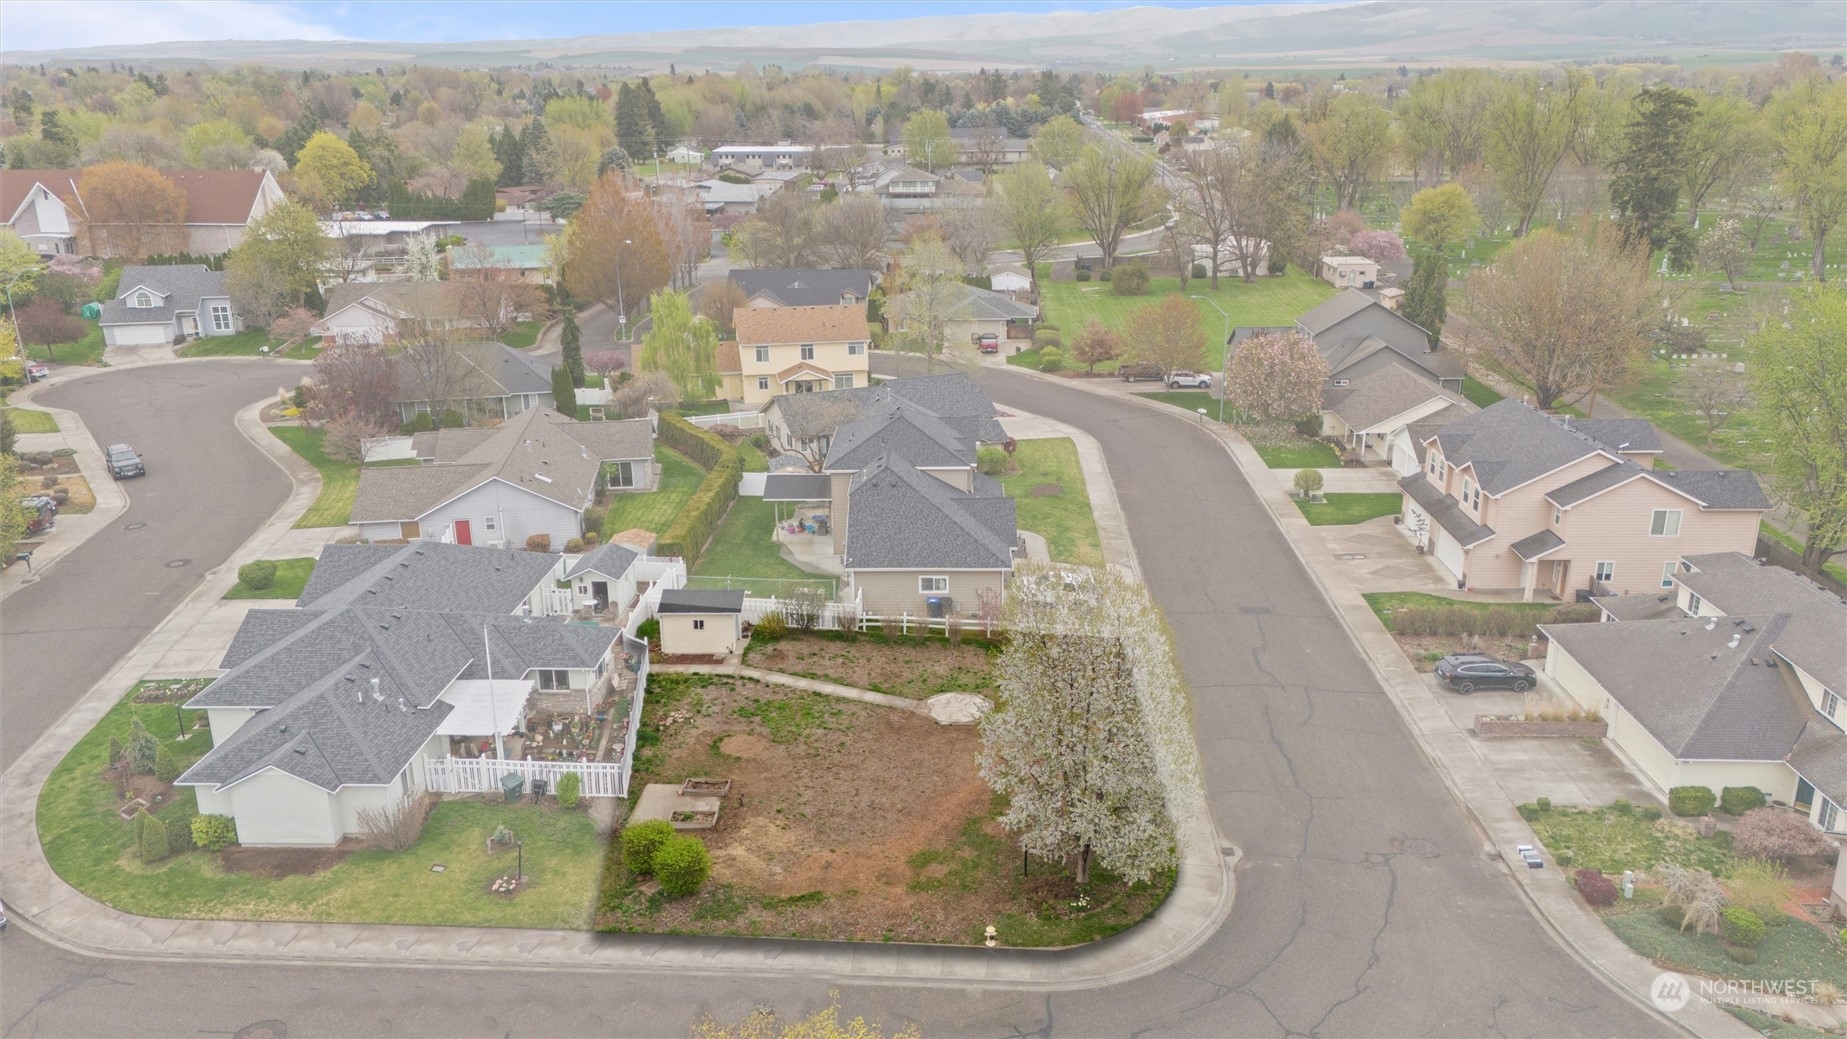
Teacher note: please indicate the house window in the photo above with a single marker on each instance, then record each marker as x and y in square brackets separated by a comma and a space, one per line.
[1830, 703]
[763, 382]
[843, 381]
[221, 317]
[1665, 523]
[1829, 816]
[489, 523]
[1694, 602]
[1558, 516]
[549, 680]
[856, 349]
[763, 355]
[933, 584]
[807, 351]
[1433, 464]
[143, 299]
[1606, 572]
[1469, 497]
[698, 625]
[1667, 574]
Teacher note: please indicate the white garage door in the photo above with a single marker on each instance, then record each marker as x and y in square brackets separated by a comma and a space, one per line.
[1449, 553]
[135, 335]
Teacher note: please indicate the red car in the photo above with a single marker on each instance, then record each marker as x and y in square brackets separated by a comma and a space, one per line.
[988, 343]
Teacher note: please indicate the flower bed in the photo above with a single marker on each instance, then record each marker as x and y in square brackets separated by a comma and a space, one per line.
[1497, 727]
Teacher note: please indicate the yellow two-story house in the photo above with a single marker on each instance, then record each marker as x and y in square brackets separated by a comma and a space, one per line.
[801, 350]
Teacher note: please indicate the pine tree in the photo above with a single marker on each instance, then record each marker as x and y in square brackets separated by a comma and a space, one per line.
[564, 395]
[1424, 298]
[510, 150]
[151, 837]
[632, 131]
[573, 340]
[657, 119]
[143, 748]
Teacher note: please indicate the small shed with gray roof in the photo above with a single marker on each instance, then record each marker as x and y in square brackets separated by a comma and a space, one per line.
[701, 622]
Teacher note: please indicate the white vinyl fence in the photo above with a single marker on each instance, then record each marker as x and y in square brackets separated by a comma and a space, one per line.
[482, 775]
[740, 419]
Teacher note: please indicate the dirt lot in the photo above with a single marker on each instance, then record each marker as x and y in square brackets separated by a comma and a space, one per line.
[282, 862]
[846, 820]
[917, 668]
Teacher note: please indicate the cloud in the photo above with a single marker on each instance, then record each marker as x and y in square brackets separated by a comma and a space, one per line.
[31, 25]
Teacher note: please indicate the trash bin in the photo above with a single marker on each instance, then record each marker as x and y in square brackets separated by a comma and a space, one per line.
[513, 785]
[538, 788]
[933, 606]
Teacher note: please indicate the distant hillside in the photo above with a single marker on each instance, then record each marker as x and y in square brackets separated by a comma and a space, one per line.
[1388, 32]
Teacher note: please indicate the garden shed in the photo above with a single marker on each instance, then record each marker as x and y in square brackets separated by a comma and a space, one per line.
[701, 621]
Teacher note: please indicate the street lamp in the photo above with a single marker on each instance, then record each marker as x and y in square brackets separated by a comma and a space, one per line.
[1226, 366]
[621, 307]
[14, 315]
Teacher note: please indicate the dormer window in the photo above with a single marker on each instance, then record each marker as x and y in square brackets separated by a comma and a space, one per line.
[807, 351]
[144, 299]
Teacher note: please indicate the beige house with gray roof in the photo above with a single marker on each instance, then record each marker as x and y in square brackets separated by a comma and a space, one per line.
[1375, 413]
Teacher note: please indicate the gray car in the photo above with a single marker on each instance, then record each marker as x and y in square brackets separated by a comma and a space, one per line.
[1467, 672]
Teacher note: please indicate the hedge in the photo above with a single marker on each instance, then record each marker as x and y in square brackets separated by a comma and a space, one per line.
[703, 447]
[687, 535]
[1737, 800]
[1690, 800]
[1496, 621]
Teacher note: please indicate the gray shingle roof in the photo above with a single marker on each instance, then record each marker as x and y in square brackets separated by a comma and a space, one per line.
[402, 493]
[1713, 562]
[420, 300]
[1620, 434]
[702, 600]
[901, 518]
[1820, 756]
[1716, 488]
[184, 286]
[1815, 638]
[797, 487]
[1511, 444]
[1533, 546]
[261, 629]
[979, 304]
[1642, 606]
[486, 370]
[610, 560]
[1695, 693]
[894, 426]
[1444, 510]
[429, 575]
[954, 398]
[1595, 483]
[1334, 311]
[1384, 394]
[792, 287]
[339, 564]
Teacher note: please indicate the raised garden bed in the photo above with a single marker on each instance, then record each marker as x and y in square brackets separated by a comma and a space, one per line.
[701, 787]
[1494, 727]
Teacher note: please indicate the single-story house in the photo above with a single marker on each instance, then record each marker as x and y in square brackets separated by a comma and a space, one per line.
[759, 156]
[1375, 413]
[527, 262]
[490, 382]
[706, 622]
[500, 485]
[804, 423]
[1010, 278]
[157, 305]
[977, 311]
[1350, 272]
[685, 155]
[981, 145]
[380, 312]
[1356, 334]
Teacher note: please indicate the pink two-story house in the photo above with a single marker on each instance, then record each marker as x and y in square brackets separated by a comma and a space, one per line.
[1512, 498]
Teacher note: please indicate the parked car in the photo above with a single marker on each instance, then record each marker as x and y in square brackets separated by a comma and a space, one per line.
[988, 343]
[1196, 380]
[1467, 672]
[41, 513]
[1135, 372]
[123, 462]
[36, 370]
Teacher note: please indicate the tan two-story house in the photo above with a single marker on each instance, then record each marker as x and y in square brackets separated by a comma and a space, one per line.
[801, 350]
[1512, 498]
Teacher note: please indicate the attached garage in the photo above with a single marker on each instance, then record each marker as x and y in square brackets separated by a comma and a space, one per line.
[1450, 554]
[137, 335]
[273, 807]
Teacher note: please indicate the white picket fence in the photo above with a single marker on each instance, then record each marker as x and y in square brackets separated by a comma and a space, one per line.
[740, 419]
[483, 775]
[835, 616]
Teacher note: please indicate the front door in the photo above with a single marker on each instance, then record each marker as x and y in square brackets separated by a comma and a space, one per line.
[599, 590]
[1805, 794]
[463, 535]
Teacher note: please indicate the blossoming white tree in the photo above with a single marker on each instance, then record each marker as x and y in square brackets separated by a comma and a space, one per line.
[1276, 375]
[1093, 742]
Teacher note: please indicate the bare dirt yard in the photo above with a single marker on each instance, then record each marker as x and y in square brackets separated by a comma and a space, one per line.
[852, 821]
[918, 668]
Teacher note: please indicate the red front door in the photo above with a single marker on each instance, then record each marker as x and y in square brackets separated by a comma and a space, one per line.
[463, 536]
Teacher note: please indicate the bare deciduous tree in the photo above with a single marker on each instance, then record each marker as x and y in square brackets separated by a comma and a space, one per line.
[352, 378]
[394, 826]
[970, 233]
[851, 233]
[930, 298]
[718, 303]
[1716, 395]
[432, 366]
[822, 413]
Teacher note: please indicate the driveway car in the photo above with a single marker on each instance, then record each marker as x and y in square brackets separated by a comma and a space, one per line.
[1467, 672]
[988, 343]
[1135, 372]
[36, 370]
[41, 513]
[123, 462]
[1196, 380]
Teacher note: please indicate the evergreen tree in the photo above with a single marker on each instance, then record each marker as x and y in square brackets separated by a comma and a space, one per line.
[510, 151]
[143, 748]
[573, 340]
[297, 136]
[532, 142]
[151, 837]
[1424, 298]
[1650, 169]
[657, 119]
[564, 395]
[632, 131]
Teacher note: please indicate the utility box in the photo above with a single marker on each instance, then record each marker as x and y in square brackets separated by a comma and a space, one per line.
[513, 785]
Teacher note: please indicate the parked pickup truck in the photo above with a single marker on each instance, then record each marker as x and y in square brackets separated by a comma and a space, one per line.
[987, 343]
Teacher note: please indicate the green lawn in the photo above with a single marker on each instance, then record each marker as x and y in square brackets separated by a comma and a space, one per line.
[88, 350]
[1268, 301]
[1062, 511]
[1384, 604]
[1795, 950]
[1301, 454]
[25, 420]
[523, 334]
[90, 847]
[339, 480]
[1343, 509]
[1612, 841]
[291, 577]
[742, 547]
[1794, 544]
[654, 510]
[248, 343]
[1479, 393]
[1656, 393]
[703, 407]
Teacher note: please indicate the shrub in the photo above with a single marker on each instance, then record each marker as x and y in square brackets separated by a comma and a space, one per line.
[640, 841]
[687, 535]
[1544, 803]
[591, 538]
[1051, 359]
[1529, 812]
[1199, 270]
[166, 766]
[150, 837]
[257, 575]
[772, 626]
[682, 865]
[453, 419]
[704, 447]
[991, 461]
[420, 423]
[1671, 915]
[214, 832]
[1690, 800]
[1048, 337]
[1741, 927]
[1775, 833]
[1596, 888]
[1082, 274]
[539, 543]
[569, 786]
[1105, 275]
[179, 831]
[1309, 427]
[595, 517]
[143, 748]
[1737, 800]
[1131, 280]
[1565, 858]
[1741, 954]
[649, 630]
[1650, 813]
[1308, 482]
[574, 545]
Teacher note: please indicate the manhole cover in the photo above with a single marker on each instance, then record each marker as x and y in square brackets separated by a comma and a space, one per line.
[135, 526]
[1254, 609]
[175, 564]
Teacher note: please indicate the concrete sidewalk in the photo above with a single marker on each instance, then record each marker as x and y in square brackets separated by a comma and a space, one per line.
[70, 530]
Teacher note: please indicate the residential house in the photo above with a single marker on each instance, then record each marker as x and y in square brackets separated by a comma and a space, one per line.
[487, 382]
[1733, 677]
[525, 262]
[803, 424]
[157, 305]
[32, 204]
[701, 622]
[1163, 117]
[730, 370]
[685, 155]
[1380, 414]
[1010, 280]
[726, 203]
[975, 312]
[1350, 272]
[906, 187]
[788, 287]
[1357, 334]
[990, 144]
[781, 155]
[367, 249]
[502, 485]
[395, 662]
[1512, 498]
[382, 312]
[802, 349]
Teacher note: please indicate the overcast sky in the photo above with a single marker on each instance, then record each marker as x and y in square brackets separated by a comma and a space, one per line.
[54, 24]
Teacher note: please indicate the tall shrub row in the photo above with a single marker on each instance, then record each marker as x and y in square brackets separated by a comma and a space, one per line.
[705, 448]
[1495, 621]
[687, 535]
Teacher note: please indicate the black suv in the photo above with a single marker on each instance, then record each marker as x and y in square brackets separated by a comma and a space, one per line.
[123, 462]
[1133, 372]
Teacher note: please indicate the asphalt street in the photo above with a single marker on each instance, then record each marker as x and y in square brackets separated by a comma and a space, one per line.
[1365, 905]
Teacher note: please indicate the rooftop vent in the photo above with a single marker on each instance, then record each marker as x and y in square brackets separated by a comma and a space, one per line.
[1733, 644]
[1711, 623]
